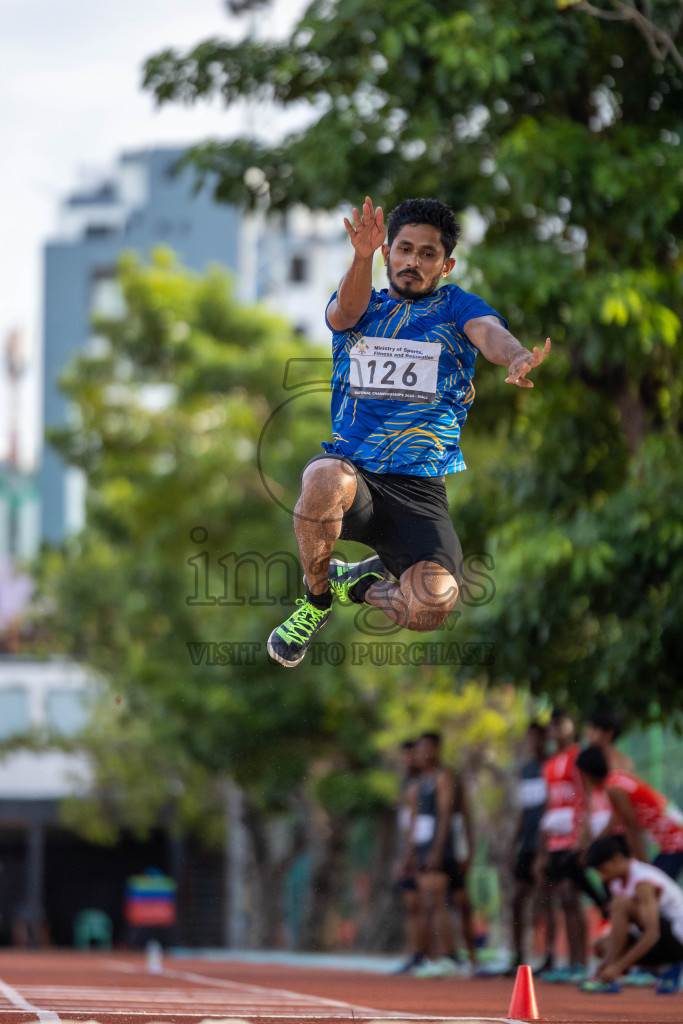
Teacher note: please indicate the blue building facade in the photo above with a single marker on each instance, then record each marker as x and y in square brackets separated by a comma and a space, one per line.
[142, 205]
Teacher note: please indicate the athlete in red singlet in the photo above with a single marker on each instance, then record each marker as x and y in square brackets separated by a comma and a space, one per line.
[565, 800]
[640, 809]
[557, 859]
[603, 729]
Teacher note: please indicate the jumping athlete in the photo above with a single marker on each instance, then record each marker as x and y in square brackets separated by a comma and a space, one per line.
[403, 362]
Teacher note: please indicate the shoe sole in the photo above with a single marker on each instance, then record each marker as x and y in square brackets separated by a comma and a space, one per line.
[287, 664]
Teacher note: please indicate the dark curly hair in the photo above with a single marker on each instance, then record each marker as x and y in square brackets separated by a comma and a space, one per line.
[593, 762]
[425, 211]
[602, 850]
[607, 720]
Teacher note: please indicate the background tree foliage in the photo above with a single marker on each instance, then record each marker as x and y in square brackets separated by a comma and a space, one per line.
[560, 127]
[188, 541]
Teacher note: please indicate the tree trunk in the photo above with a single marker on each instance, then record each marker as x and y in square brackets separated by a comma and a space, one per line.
[327, 882]
[380, 924]
[269, 865]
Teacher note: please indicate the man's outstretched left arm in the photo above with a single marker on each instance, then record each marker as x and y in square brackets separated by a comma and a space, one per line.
[500, 347]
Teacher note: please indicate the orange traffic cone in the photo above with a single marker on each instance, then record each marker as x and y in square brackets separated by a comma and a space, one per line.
[523, 1004]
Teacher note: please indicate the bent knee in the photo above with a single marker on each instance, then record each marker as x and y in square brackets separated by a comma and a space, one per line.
[621, 906]
[431, 586]
[426, 615]
[424, 620]
[329, 475]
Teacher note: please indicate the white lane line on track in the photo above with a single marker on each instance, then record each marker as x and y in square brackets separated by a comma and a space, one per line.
[262, 992]
[287, 996]
[19, 1003]
[154, 995]
[309, 1015]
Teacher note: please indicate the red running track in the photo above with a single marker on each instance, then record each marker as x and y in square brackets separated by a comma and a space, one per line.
[115, 988]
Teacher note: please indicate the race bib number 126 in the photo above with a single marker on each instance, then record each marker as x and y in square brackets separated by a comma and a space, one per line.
[405, 371]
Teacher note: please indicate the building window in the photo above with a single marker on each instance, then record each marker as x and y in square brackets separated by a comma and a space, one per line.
[66, 711]
[100, 230]
[14, 711]
[106, 294]
[298, 269]
[13, 529]
[75, 490]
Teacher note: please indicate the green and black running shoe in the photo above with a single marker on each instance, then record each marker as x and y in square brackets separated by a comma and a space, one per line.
[350, 580]
[289, 642]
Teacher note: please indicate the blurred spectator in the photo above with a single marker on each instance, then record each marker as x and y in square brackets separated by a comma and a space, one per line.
[463, 848]
[603, 729]
[405, 869]
[558, 857]
[30, 928]
[150, 908]
[643, 811]
[532, 792]
[431, 833]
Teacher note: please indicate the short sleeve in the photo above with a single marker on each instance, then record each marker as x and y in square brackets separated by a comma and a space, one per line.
[329, 325]
[465, 306]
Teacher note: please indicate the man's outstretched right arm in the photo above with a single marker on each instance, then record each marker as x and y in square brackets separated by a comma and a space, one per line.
[355, 288]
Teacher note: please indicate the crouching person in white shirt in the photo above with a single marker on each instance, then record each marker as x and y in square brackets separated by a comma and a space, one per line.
[646, 916]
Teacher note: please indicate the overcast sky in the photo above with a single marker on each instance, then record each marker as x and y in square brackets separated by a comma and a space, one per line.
[70, 102]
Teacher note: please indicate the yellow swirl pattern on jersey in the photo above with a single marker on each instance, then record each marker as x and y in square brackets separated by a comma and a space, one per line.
[385, 435]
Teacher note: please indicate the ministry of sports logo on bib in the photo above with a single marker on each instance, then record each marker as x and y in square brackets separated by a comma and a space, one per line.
[394, 368]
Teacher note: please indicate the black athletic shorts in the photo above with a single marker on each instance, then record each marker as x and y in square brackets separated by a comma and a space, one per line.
[448, 865]
[404, 518]
[524, 864]
[456, 879]
[407, 884]
[563, 864]
[666, 950]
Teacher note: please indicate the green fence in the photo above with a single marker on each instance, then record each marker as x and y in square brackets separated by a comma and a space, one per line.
[657, 755]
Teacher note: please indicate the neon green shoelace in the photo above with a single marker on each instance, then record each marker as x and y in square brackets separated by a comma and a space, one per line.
[303, 622]
[341, 587]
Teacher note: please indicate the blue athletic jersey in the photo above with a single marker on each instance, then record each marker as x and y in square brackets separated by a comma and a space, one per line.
[398, 406]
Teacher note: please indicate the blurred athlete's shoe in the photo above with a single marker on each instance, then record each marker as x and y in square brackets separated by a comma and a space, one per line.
[409, 965]
[596, 985]
[443, 967]
[639, 977]
[669, 980]
[565, 975]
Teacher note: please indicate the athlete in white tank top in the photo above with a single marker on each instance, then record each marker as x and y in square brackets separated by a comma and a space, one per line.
[670, 894]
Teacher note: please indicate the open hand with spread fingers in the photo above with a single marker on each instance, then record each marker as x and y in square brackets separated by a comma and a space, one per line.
[367, 231]
[521, 364]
